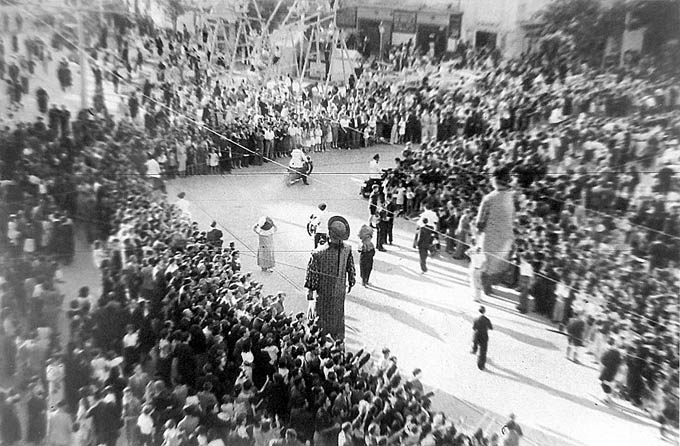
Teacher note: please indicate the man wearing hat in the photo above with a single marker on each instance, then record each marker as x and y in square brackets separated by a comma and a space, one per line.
[318, 225]
[329, 272]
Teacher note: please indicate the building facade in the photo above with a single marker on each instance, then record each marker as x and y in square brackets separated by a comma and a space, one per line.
[508, 25]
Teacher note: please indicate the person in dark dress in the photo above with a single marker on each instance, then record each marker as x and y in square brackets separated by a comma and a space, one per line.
[106, 420]
[481, 327]
[366, 254]
[636, 367]
[10, 425]
[611, 360]
[575, 330]
[42, 98]
[36, 411]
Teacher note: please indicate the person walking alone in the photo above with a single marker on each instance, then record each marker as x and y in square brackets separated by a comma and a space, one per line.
[477, 260]
[480, 340]
[366, 254]
[423, 242]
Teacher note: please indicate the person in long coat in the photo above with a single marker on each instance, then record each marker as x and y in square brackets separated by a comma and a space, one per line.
[494, 225]
[265, 229]
[611, 361]
[55, 382]
[42, 98]
[366, 254]
[331, 274]
[10, 425]
[36, 410]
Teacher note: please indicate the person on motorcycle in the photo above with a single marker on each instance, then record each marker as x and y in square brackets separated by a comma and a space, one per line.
[375, 175]
[299, 163]
[374, 167]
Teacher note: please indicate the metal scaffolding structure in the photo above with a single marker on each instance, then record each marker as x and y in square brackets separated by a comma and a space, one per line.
[308, 33]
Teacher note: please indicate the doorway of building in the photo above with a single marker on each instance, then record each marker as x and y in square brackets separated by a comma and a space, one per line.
[370, 32]
[431, 34]
[485, 39]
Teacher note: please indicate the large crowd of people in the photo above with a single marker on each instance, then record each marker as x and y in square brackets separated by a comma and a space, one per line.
[183, 347]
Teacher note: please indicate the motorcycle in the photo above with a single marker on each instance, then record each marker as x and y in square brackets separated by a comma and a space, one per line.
[367, 187]
[294, 175]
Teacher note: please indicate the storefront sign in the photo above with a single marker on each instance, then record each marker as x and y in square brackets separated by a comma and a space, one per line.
[404, 22]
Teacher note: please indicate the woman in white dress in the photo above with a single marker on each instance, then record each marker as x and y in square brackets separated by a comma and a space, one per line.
[181, 159]
[265, 229]
[55, 382]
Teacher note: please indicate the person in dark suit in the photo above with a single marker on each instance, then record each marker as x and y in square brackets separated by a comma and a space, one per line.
[480, 340]
[423, 242]
[106, 419]
[214, 236]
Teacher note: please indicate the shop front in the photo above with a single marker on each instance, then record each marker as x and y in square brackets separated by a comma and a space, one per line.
[432, 32]
[370, 23]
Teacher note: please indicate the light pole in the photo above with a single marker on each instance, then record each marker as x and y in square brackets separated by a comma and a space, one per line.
[381, 29]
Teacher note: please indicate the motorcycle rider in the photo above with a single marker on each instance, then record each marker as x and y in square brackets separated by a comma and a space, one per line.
[300, 163]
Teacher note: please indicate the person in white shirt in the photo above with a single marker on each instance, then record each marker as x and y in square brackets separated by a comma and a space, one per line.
[268, 144]
[298, 163]
[183, 204]
[477, 260]
[153, 172]
[130, 344]
[374, 167]
[430, 215]
[526, 275]
[320, 221]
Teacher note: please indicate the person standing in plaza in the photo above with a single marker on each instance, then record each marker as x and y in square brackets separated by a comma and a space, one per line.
[480, 340]
[320, 221]
[477, 259]
[265, 229]
[575, 329]
[331, 273]
[526, 275]
[611, 361]
[423, 242]
[366, 254]
[391, 209]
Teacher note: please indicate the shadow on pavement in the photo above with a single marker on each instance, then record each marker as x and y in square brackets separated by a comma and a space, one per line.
[585, 402]
[397, 314]
[521, 337]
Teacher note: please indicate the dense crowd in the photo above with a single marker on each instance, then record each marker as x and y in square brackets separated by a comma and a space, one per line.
[182, 347]
[591, 242]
